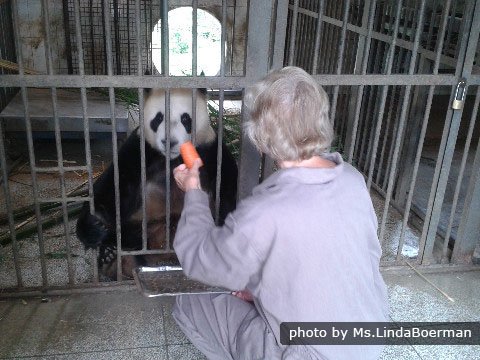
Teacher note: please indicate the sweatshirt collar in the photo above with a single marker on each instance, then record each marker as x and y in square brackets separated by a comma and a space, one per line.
[303, 175]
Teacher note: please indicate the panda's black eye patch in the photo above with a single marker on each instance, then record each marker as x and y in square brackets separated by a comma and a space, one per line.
[187, 122]
[157, 120]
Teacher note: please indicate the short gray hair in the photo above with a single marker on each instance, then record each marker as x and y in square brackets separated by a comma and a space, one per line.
[288, 115]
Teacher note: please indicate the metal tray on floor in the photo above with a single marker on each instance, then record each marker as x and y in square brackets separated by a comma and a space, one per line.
[168, 281]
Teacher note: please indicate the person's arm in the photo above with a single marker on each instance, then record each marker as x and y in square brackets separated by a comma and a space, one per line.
[220, 256]
[223, 256]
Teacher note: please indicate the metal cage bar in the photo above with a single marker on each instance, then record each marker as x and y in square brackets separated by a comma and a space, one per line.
[31, 152]
[58, 142]
[141, 125]
[463, 162]
[116, 177]
[401, 124]
[384, 97]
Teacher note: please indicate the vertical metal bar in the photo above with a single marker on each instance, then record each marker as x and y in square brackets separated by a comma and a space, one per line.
[117, 38]
[147, 34]
[31, 153]
[280, 34]
[9, 208]
[68, 40]
[341, 48]
[257, 66]
[460, 174]
[353, 137]
[432, 25]
[128, 39]
[194, 116]
[86, 125]
[219, 155]
[58, 141]
[223, 37]
[116, 179]
[165, 39]
[401, 125]
[318, 32]
[106, 9]
[385, 134]
[384, 95]
[194, 39]
[450, 27]
[92, 38]
[421, 140]
[467, 50]
[167, 169]
[293, 33]
[141, 125]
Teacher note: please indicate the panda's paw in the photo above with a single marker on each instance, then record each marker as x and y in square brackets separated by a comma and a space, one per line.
[92, 230]
[107, 255]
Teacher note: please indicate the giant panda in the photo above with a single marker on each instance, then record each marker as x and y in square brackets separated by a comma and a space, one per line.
[99, 230]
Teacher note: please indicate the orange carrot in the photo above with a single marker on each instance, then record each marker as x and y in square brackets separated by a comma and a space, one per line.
[189, 154]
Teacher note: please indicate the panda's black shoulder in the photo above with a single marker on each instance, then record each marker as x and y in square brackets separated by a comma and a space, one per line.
[209, 154]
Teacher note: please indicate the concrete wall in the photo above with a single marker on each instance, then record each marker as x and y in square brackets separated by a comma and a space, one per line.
[32, 32]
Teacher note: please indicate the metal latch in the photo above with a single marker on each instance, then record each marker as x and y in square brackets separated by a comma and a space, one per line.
[460, 92]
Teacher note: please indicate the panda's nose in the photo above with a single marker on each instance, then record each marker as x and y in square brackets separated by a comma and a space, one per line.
[172, 143]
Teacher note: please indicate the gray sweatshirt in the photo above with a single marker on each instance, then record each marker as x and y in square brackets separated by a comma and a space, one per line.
[304, 244]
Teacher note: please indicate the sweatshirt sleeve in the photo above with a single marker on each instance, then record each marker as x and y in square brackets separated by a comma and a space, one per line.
[219, 256]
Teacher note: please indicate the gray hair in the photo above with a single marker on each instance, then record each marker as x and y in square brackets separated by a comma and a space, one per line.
[288, 115]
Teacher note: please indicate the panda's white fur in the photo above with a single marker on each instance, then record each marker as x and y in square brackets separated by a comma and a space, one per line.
[180, 103]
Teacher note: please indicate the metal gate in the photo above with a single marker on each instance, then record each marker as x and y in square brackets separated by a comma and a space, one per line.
[388, 67]
[403, 81]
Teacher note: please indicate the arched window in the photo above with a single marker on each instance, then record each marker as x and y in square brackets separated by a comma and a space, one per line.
[209, 32]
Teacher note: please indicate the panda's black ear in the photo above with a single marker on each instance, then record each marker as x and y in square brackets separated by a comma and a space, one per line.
[147, 90]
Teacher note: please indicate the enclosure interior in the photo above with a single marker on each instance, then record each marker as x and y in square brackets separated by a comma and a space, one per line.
[76, 91]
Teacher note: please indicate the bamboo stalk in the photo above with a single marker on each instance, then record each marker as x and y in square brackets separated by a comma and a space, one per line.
[5, 64]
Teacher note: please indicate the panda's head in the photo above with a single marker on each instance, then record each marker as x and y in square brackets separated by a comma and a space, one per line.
[181, 120]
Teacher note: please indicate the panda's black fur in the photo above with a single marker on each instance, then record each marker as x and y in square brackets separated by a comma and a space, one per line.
[99, 230]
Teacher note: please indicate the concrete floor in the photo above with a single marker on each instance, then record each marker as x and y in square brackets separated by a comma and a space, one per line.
[125, 325]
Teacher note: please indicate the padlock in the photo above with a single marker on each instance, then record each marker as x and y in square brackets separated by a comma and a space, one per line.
[459, 98]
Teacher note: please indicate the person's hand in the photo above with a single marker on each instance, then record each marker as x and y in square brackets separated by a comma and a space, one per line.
[244, 295]
[188, 179]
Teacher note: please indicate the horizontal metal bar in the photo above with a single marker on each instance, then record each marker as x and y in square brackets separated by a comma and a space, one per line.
[95, 81]
[388, 268]
[127, 285]
[146, 252]
[67, 199]
[120, 81]
[56, 169]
